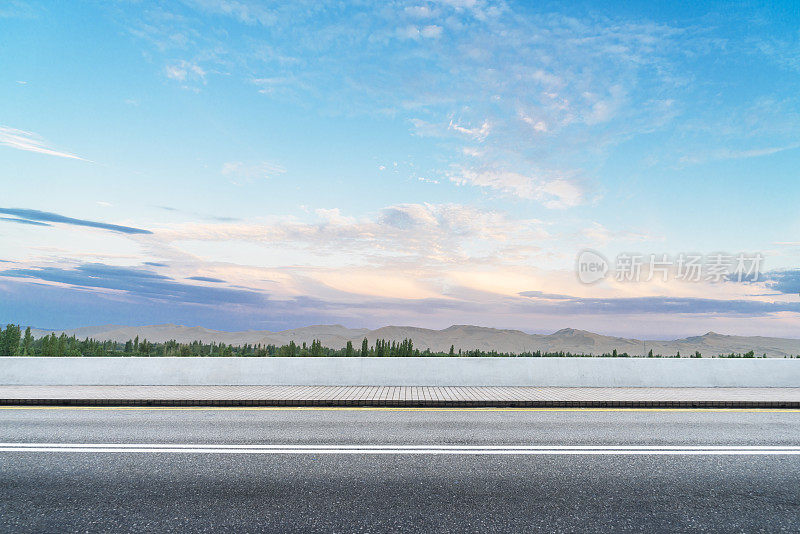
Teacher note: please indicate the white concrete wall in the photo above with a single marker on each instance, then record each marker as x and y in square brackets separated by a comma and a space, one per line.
[565, 372]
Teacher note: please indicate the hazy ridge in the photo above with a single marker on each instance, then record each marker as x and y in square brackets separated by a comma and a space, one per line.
[464, 337]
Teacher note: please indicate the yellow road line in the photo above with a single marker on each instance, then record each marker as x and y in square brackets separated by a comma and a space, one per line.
[393, 409]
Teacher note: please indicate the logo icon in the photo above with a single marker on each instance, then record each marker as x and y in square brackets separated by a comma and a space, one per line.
[591, 266]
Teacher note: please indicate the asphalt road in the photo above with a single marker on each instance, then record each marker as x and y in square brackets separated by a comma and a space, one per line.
[318, 470]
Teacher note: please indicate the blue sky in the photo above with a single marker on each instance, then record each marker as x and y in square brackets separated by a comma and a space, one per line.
[258, 165]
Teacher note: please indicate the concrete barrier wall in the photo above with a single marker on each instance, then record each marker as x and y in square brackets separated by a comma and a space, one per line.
[564, 372]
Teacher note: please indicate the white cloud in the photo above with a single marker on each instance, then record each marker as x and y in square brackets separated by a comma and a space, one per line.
[19, 9]
[424, 128]
[185, 70]
[560, 193]
[22, 140]
[431, 32]
[461, 4]
[423, 234]
[598, 235]
[334, 216]
[537, 125]
[271, 85]
[238, 171]
[554, 193]
[727, 153]
[420, 12]
[478, 133]
[409, 32]
[603, 109]
[243, 11]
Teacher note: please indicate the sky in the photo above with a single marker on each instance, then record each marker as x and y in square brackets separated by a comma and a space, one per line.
[239, 165]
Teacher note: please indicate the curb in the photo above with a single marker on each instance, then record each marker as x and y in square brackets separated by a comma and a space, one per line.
[330, 403]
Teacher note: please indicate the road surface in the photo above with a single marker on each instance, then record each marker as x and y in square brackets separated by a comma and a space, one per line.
[415, 470]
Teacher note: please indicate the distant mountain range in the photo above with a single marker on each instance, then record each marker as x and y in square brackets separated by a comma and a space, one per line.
[463, 337]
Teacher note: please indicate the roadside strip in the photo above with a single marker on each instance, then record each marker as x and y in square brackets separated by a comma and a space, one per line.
[390, 409]
[345, 403]
[316, 449]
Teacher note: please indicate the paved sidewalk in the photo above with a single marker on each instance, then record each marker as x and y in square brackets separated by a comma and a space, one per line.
[418, 396]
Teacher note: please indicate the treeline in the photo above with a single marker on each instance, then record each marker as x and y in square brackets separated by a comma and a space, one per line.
[13, 342]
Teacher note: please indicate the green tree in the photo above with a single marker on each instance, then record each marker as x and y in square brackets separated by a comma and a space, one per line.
[50, 345]
[27, 343]
[9, 341]
[452, 350]
[364, 348]
[4, 341]
[348, 351]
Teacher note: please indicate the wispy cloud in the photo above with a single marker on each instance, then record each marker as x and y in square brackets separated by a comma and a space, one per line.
[731, 154]
[598, 235]
[32, 216]
[479, 133]
[564, 304]
[24, 221]
[29, 141]
[533, 90]
[784, 281]
[183, 71]
[423, 234]
[206, 279]
[431, 31]
[536, 88]
[19, 9]
[553, 192]
[239, 171]
[243, 11]
[137, 282]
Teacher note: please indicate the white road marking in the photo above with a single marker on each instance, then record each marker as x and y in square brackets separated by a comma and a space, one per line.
[192, 448]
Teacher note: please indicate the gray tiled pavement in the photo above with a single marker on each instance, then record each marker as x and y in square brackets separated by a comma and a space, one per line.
[399, 396]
